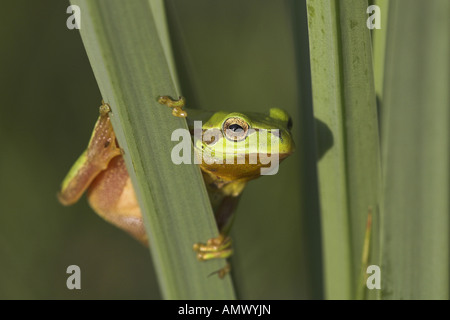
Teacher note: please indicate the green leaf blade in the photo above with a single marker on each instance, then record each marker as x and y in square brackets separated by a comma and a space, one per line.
[131, 68]
[416, 157]
[349, 173]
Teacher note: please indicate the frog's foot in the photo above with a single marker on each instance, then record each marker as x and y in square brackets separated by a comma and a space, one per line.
[176, 105]
[214, 248]
[104, 109]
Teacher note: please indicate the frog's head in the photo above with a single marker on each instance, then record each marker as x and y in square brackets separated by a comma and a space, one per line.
[241, 144]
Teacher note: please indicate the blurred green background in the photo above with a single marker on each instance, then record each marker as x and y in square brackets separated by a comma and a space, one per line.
[231, 55]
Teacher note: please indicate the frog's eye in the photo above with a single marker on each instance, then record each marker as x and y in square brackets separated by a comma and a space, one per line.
[235, 129]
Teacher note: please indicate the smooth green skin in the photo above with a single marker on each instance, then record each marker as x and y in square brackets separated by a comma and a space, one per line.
[275, 119]
[81, 161]
[226, 180]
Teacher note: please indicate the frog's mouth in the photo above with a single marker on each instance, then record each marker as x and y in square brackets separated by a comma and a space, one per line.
[282, 156]
[234, 167]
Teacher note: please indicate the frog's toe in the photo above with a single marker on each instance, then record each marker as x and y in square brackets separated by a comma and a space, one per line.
[176, 105]
[222, 254]
[214, 248]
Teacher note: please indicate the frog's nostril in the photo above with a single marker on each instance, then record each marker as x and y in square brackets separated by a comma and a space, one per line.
[289, 124]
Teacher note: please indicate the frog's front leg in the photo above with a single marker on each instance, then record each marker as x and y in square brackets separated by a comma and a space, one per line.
[224, 200]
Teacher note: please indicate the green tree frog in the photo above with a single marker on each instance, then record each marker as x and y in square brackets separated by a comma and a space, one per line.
[239, 136]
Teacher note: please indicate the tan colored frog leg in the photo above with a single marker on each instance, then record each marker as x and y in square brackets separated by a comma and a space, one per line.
[101, 149]
[112, 196]
[101, 170]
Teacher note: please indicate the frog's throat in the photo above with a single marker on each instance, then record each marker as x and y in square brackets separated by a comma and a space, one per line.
[237, 170]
